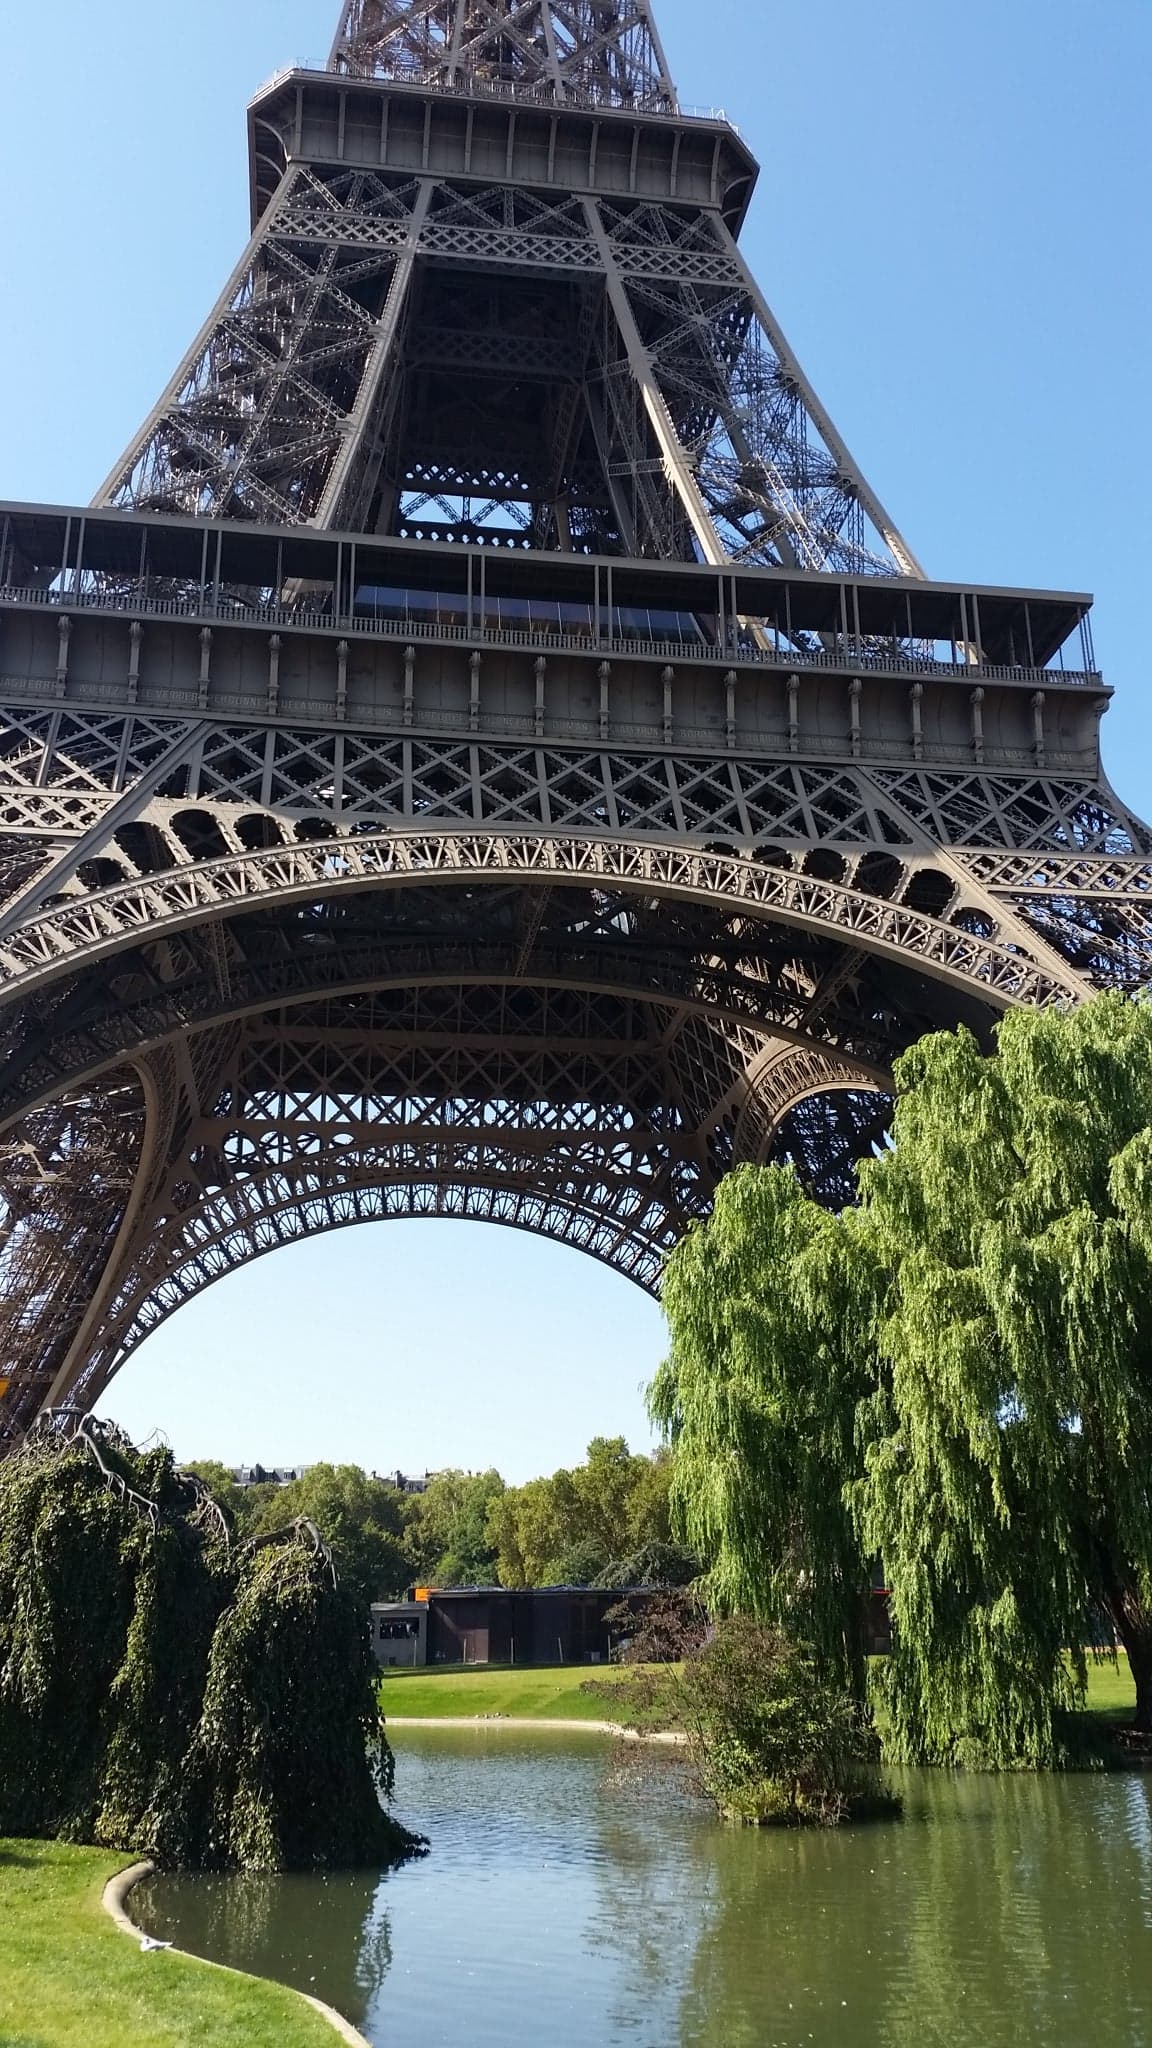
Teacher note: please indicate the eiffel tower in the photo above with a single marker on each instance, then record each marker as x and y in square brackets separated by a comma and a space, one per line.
[487, 750]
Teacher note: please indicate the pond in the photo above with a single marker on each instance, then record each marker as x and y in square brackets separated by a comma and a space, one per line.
[561, 1906]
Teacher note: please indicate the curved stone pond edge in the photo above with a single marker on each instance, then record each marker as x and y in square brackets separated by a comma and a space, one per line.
[113, 1900]
[513, 1721]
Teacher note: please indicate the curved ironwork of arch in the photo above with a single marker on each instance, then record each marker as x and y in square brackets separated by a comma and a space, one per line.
[603, 1120]
[668, 1007]
[599, 1194]
[620, 1227]
[77, 931]
[620, 1180]
[733, 978]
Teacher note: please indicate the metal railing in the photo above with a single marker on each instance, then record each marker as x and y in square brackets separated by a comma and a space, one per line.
[542, 95]
[745, 653]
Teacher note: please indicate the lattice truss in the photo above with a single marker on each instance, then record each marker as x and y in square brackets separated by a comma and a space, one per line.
[453, 361]
[259, 980]
[775, 491]
[580, 52]
[595, 980]
[587, 1081]
[100, 802]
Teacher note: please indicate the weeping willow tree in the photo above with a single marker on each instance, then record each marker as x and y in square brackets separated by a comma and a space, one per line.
[165, 1692]
[760, 1394]
[955, 1377]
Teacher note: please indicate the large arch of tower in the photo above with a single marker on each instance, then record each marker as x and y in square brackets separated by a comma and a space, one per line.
[487, 750]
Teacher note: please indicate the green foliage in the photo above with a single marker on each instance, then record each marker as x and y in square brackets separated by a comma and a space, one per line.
[240, 1503]
[446, 1540]
[956, 1376]
[163, 1692]
[566, 1529]
[524, 1529]
[773, 1739]
[362, 1519]
[154, 1702]
[1007, 1443]
[276, 1777]
[759, 1397]
[654, 1564]
[770, 1738]
[107, 1606]
[468, 1528]
[382, 1539]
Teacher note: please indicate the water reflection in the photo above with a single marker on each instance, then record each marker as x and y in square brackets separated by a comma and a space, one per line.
[999, 1911]
[559, 1907]
[328, 1934]
[655, 1885]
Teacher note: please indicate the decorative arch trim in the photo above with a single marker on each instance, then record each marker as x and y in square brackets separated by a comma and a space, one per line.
[75, 932]
[602, 1237]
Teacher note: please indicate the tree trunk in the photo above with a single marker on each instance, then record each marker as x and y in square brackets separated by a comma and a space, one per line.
[856, 1642]
[1133, 1624]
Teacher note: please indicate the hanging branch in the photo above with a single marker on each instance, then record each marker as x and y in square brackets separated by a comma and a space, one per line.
[67, 1426]
[206, 1508]
[296, 1532]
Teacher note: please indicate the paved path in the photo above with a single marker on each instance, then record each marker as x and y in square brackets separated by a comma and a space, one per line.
[525, 1721]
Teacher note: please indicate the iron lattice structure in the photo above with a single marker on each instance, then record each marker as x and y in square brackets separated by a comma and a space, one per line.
[487, 750]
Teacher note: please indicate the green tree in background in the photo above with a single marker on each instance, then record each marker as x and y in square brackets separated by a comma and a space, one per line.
[362, 1520]
[663, 1565]
[446, 1540]
[523, 1527]
[469, 1529]
[564, 1530]
[956, 1376]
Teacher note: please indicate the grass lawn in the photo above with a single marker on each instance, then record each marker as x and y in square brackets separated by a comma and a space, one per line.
[70, 1979]
[1110, 1688]
[553, 1693]
[544, 1693]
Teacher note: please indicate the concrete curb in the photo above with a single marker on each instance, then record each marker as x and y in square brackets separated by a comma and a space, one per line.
[116, 1892]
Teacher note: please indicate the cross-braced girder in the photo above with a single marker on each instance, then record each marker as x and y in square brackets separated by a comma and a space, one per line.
[551, 1035]
[586, 52]
[494, 755]
[607, 357]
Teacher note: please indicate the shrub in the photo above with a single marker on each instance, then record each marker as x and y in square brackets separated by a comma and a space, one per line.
[767, 1736]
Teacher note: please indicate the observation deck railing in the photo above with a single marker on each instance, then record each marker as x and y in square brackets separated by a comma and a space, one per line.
[743, 652]
[543, 94]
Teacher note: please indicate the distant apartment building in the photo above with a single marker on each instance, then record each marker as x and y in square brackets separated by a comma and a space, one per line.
[267, 1475]
[282, 1475]
[405, 1482]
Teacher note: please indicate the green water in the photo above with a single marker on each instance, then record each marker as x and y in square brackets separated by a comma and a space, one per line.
[561, 1907]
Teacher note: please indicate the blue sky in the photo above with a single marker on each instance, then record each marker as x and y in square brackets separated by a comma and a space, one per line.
[952, 227]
